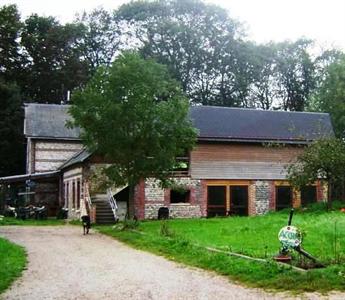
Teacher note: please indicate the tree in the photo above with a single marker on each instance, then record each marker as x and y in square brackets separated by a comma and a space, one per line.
[201, 45]
[10, 27]
[135, 115]
[12, 152]
[295, 74]
[321, 160]
[330, 97]
[101, 38]
[53, 58]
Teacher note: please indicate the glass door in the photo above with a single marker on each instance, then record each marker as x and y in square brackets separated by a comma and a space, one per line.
[239, 200]
[283, 197]
[216, 201]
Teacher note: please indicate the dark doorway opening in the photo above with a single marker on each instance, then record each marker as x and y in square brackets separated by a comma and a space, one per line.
[283, 197]
[239, 200]
[308, 195]
[216, 201]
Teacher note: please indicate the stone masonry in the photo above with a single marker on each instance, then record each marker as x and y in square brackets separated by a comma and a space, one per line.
[262, 193]
[156, 197]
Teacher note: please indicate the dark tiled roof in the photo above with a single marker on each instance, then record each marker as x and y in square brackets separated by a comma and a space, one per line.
[223, 123]
[213, 123]
[79, 157]
[48, 121]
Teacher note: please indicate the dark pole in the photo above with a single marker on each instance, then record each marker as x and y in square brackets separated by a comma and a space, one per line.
[290, 217]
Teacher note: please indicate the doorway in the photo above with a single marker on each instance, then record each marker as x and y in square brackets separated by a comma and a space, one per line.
[227, 198]
[283, 197]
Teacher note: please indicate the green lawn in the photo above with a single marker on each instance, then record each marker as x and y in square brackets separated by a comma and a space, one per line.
[324, 237]
[31, 222]
[12, 262]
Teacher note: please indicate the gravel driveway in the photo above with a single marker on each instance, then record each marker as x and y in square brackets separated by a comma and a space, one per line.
[64, 264]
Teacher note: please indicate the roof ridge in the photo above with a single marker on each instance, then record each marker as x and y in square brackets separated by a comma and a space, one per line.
[261, 110]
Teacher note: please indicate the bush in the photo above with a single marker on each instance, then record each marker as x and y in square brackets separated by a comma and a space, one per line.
[165, 230]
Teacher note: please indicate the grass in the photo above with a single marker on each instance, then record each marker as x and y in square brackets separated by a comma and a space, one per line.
[183, 241]
[30, 222]
[12, 262]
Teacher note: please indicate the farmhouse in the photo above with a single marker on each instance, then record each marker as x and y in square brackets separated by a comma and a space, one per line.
[237, 167]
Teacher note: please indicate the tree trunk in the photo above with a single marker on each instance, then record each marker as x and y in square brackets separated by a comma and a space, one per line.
[130, 203]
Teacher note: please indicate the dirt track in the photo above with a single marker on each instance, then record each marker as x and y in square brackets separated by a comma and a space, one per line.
[64, 264]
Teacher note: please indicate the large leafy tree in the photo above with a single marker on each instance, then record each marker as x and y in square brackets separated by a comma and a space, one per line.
[321, 160]
[330, 97]
[53, 58]
[135, 115]
[10, 27]
[101, 38]
[12, 154]
[295, 71]
[201, 45]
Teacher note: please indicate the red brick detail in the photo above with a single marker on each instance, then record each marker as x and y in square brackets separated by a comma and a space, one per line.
[203, 200]
[167, 197]
[139, 200]
[272, 196]
[319, 191]
[192, 196]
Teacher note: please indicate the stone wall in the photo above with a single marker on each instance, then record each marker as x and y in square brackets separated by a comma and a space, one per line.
[262, 197]
[156, 197]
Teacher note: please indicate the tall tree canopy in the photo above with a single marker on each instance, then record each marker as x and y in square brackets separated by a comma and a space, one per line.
[135, 115]
[200, 44]
[101, 37]
[53, 58]
[10, 26]
[331, 95]
[12, 154]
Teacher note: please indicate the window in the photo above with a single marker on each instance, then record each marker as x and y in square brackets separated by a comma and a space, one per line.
[179, 196]
[308, 195]
[67, 195]
[73, 194]
[283, 197]
[181, 167]
[78, 194]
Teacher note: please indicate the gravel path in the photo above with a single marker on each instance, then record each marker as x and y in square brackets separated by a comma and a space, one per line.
[64, 264]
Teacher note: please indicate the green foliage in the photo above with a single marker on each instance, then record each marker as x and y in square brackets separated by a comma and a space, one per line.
[10, 26]
[200, 44]
[127, 224]
[12, 262]
[165, 229]
[30, 222]
[136, 116]
[331, 95]
[101, 37]
[295, 74]
[12, 153]
[323, 159]
[53, 58]
[254, 236]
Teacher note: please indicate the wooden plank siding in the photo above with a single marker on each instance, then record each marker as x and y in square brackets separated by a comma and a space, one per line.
[241, 161]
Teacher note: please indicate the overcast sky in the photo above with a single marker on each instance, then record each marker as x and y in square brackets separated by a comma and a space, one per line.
[323, 20]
